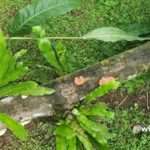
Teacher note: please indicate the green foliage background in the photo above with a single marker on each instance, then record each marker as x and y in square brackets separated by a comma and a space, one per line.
[92, 14]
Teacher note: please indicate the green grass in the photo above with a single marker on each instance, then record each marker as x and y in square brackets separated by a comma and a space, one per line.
[122, 127]
[8, 9]
[91, 15]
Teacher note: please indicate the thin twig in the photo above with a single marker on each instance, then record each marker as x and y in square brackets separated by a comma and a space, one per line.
[123, 101]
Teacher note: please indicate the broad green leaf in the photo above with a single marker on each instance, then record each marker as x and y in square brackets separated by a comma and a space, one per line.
[72, 143]
[10, 69]
[64, 132]
[83, 138]
[98, 131]
[15, 71]
[100, 110]
[38, 12]
[24, 88]
[5, 56]
[102, 90]
[61, 143]
[2, 41]
[17, 129]
[112, 34]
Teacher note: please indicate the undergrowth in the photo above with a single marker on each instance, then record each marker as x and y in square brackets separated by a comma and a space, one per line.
[124, 139]
[91, 15]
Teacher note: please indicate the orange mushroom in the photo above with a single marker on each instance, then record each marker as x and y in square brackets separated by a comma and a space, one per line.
[80, 80]
[105, 80]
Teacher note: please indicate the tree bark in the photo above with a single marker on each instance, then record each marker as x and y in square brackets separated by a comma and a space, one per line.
[122, 66]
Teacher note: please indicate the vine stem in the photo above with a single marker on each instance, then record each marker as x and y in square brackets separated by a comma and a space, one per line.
[50, 38]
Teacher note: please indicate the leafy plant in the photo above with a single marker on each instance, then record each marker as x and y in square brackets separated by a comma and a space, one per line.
[38, 12]
[55, 54]
[136, 82]
[60, 61]
[100, 110]
[102, 90]
[10, 71]
[65, 137]
[83, 128]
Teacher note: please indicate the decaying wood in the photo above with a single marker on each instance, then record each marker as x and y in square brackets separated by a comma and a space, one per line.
[67, 94]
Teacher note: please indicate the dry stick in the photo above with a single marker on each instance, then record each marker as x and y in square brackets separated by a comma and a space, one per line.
[147, 100]
[123, 101]
[68, 94]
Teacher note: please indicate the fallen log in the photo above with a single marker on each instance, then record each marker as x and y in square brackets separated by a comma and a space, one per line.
[122, 66]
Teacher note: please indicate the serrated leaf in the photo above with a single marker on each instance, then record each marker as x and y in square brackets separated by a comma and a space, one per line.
[100, 110]
[102, 90]
[17, 129]
[24, 88]
[112, 34]
[38, 12]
